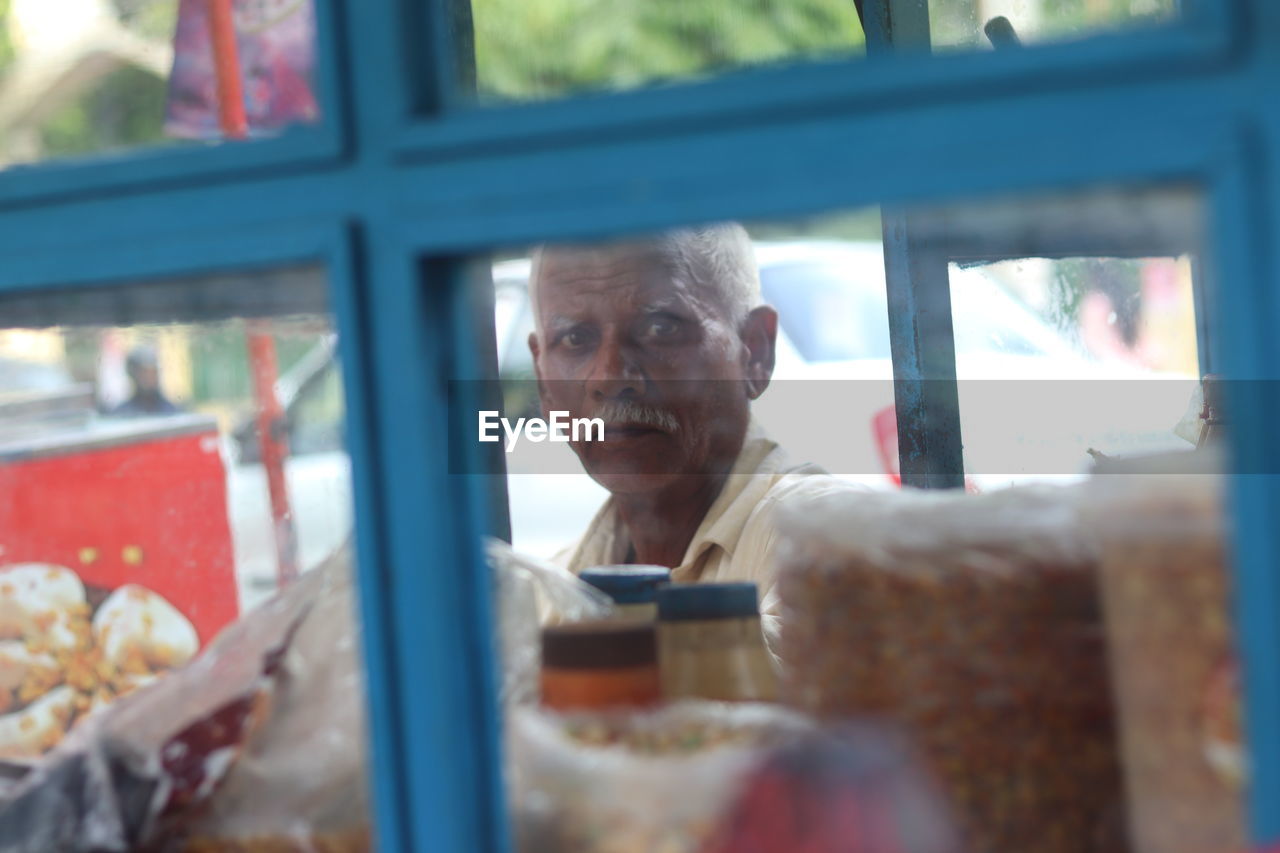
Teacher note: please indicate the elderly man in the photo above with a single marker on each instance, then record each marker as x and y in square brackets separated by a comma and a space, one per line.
[667, 341]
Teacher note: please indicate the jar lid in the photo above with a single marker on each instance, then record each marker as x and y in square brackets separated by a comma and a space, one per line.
[682, 602]
[599, 645]
[628, 584]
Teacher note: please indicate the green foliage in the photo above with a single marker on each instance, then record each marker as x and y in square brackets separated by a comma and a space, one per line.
[537, 49]
[1120, 279]
[863, 224]
[528, 49]
[125, 109]
[155, 19]
[6, 45]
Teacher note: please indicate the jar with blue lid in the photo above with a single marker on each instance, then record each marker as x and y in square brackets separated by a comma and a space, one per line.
[633, 588]
[711, 644]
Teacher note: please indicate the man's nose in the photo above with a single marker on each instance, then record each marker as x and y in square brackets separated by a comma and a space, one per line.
[615, 372]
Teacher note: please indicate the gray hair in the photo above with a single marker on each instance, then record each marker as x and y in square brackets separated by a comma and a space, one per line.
[717, 257]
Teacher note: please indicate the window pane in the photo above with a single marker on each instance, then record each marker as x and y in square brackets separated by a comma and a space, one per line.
[604, 45]
[539, 49]
[1001, 649]
[962, 24]
[81, 77]
[173, 465]
[1105, 360]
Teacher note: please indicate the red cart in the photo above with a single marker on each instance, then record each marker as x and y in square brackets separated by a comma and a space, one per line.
[139, 500]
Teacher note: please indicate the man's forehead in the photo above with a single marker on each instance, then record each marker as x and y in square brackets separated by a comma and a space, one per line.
[569, 271]
[630, 278]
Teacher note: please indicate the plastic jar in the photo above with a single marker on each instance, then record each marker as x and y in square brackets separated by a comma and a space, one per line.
[711, 645]
[632, 588]
[599, 665]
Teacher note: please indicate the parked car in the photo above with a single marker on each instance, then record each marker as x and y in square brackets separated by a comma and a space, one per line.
[832, 382]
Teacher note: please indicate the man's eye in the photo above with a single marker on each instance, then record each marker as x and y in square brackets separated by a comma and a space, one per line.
[661, 327]
[574, 338]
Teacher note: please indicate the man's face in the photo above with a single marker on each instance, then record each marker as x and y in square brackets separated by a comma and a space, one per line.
[622, 336]
[146, 377]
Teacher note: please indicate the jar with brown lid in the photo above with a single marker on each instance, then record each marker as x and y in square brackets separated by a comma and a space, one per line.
[633, 588]
[711, 645]
[599, 665]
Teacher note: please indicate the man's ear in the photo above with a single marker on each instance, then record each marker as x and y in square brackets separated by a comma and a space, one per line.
[535, 351]
[760, 334]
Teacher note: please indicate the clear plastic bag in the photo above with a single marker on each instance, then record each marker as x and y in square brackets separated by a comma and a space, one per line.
[634, 782]
[973, 622]
[1167, 597]
[530, 595]
[298, 783]
[211, 757]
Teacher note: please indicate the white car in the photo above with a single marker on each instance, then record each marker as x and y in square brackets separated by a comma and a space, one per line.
[833, 380]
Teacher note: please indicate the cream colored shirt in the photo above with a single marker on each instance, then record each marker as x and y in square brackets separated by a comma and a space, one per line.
[737, 540]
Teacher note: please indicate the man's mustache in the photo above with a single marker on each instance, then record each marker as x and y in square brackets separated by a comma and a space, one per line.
[622, 413]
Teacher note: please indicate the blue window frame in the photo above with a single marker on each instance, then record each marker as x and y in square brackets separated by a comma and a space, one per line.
[397, 187]
[134, 170]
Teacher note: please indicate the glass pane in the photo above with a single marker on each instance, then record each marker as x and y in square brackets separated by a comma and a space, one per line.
[538, 49]
[983, 668]
[967, 24]
[1105, 361]
[173, 467]
[82, 77]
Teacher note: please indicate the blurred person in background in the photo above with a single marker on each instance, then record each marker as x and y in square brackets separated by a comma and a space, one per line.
[148, 399]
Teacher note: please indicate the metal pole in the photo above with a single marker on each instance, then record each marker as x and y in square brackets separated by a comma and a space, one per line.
[921, 338]
[273, 439]
[226, 63]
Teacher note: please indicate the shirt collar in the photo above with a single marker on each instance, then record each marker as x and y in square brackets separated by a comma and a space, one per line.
[753, 473]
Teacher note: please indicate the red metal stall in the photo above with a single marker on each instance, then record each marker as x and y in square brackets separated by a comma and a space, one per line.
[137, 500]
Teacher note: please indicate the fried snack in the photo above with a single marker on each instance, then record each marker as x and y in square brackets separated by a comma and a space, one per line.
[134, 636]
[139, 631]
[37, 727]
[18, 664]
[973, 623]
[1166, 592]
[38, 605]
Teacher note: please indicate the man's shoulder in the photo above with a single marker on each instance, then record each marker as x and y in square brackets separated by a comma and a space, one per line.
[806, 483]
[793, 481]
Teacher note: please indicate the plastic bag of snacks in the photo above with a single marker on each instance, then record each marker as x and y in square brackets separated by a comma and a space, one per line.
[634, 782]
[221, 754]
[531, 594]
[973, 622]
[1166, 593]
[850, 789]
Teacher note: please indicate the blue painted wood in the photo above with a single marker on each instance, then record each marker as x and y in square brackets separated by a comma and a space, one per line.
[648, 182]
[1244, 228]
[1250, 308]
[771, 95]
[437, 602]
[348, 270]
